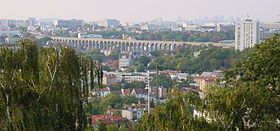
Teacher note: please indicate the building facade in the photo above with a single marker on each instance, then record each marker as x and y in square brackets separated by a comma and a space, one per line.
[247, 34]
[125, 61]
[69, 23]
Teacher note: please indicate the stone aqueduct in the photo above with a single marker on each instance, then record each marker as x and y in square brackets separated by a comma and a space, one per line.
[128, 45]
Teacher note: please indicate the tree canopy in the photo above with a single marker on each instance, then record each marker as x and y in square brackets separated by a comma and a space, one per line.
[247, 98]
[43, 88]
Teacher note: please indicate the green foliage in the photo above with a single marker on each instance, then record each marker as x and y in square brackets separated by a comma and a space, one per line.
[41, 88]
[130, 100]
[261, 65]
[102, 127]
[163, 80]
[243, 107]
[116, 87]
[249, 100]
[144, 60]
[140, 67]
[112, 127]
[115, 55]
[209, 59]
[106, 68]
[44, 40]
[112, 101]
[96, 54]
[176, 114]
[135, 84]
[130, 69]
[187, 36]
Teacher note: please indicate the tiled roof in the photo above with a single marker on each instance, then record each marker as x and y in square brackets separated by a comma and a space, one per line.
[126, 91]
[106, 119]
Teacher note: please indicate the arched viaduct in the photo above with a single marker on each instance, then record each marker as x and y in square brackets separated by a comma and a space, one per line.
[128, 45]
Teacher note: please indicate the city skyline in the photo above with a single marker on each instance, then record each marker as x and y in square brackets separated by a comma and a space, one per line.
[136, 10]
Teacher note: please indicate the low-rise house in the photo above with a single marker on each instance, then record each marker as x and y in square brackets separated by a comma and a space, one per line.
[103, 92]
[139, 93]
[126, 92]
[182, 76]
[131, 77]
[113, 64]
[208, 78]
[162, 92]
[107, 120]
[109, 79]
[118, 92]
[125, 61]
[134, 112]
[171, 73]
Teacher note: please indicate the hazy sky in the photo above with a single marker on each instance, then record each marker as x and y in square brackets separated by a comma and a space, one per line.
[139, 10]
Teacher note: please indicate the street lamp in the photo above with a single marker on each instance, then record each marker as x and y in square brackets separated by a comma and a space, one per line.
[149, 88]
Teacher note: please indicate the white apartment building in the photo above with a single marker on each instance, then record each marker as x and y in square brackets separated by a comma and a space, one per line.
[125, 61]
[131, 77]
[247, 34]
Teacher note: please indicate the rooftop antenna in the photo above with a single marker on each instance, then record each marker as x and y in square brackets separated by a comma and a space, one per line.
[248, 17]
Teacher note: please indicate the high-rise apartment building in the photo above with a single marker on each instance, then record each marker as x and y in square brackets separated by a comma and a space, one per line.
[247, 34]
[108, 23]
[31, 21]
[72, 24]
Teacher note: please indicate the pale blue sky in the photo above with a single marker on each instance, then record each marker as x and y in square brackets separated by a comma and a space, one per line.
[139, 10]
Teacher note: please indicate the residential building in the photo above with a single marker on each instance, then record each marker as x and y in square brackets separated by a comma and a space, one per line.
[162, 92]
[72, 24]
[133, 114]
[208, 78]
[10, 32]
[126, 92]
[182, 76]
[247, 34]
[139, 93]
[4, 23]
[108, 23]
[268, 34]
[271, 25]
[225, 28]
[109, 79]
[102, 92]
[31, 21]
[107, 120]
[131, 77]
[125, 61]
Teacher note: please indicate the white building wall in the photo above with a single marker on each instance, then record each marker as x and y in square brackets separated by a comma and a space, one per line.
[247, 34]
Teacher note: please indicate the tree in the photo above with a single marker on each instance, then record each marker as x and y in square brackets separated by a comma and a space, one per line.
[243, 107]
[249, 99]
[135, 84]
[116, 87]
[176, 114]
[251, 94]
[112, 127]
[112, 101]
[143, 60]
[163, 80]
[106, 68]
[130, 100]
[102, 127]
[96, 55]
[130, 69]
[140, 67]
[44, 40]
[115, 55]
[42, 87]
